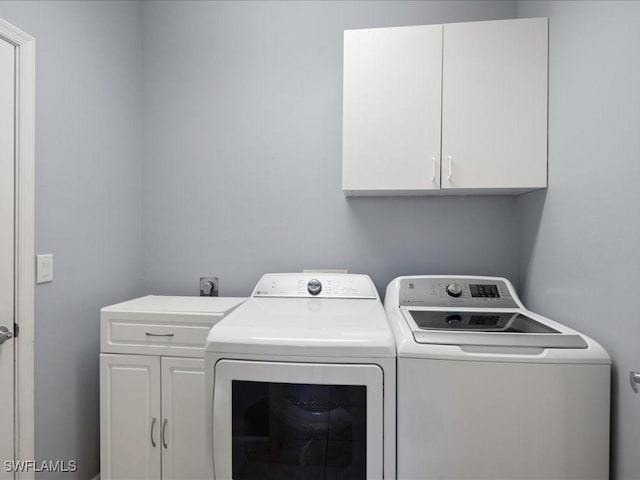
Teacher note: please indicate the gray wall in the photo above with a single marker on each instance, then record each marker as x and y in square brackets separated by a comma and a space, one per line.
[88, 151]
[579, 254]
[242, 119]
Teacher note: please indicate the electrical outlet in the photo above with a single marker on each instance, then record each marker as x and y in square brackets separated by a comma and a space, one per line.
[209, 286]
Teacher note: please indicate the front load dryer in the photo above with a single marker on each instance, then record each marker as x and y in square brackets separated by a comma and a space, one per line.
[489, 390]
[301, 382]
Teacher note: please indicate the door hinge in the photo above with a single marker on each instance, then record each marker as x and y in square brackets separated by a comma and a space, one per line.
[16, 329]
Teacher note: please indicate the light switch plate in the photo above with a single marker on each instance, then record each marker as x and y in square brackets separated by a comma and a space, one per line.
[44, 268]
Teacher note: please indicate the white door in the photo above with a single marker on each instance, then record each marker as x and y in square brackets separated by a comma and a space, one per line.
[184, 431]
[297, 421]
[7, 162]
[391, 109]
[130, 422]
[494, 104]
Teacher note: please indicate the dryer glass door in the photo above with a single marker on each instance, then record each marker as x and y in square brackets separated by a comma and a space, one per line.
[297, 421]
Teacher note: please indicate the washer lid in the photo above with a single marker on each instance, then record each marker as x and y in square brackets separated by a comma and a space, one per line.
[507, 328]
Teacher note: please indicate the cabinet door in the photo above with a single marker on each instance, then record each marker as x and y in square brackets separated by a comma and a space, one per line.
[184, 440]
[129, 417]
[391, 110]
[494, 105]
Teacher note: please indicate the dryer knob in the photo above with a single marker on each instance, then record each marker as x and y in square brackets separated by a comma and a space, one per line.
[314, 287]
[454, 289]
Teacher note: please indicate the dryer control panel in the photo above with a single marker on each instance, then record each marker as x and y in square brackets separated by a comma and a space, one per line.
[455, 292]
[319, 285]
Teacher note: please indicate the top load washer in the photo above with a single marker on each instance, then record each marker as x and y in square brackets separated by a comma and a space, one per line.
[489, 390]
[301, 382]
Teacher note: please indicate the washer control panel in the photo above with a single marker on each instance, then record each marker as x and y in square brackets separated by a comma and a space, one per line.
[455, 291]
[315, 285]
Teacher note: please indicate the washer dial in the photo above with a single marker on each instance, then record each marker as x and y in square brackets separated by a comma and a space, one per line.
[314, 287]
[454, 289]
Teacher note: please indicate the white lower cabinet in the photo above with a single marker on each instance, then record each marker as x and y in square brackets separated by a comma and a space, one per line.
[152, 419]
[184, 449]
[130, 417]
[152, 387]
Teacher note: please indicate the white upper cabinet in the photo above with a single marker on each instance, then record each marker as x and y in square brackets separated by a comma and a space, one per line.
[494, 96]
[391, 112]
[456, 108]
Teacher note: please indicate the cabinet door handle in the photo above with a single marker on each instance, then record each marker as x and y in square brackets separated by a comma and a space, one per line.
[634, 377]
[164, 430]
[450, 168]
[150, 334]
[153, 424]
[433, 169]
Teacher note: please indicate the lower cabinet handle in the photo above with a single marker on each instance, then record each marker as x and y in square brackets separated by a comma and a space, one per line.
[149, 334]
[634, 377]
[153, 424]
[450, 169]
[433, 169]
[164, 429]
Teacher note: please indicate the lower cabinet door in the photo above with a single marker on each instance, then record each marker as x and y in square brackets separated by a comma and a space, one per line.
[183, 437]
[130, 422]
